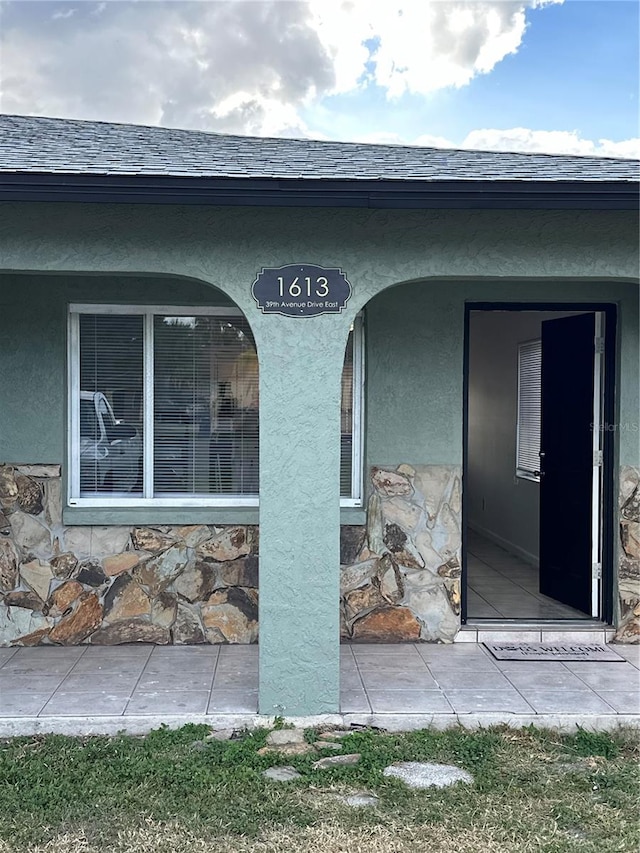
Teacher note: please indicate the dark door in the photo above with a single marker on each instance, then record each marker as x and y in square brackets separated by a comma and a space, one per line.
[566, 463]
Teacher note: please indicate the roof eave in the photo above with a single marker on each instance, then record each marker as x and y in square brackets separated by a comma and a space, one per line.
[320, 192]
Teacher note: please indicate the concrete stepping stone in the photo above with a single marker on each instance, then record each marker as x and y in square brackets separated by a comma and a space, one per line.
[282, 774]
[336, 761]
[417, 774]
[284, 737]
[287, 742]
[359, 799]
[287, 749]
[327, 744]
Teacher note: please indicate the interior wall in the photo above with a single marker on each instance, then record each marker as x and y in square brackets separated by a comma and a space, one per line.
[500, 505]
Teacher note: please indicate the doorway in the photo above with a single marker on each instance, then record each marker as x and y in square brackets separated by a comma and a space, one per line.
[536, 509]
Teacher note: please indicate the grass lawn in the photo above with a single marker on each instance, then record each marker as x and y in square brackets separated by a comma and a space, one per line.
[534, 791]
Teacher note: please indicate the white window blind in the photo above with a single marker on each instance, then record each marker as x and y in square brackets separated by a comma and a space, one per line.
[110, 426]
[351, 416]
[205, 406]
[164, 408]
[529, 399]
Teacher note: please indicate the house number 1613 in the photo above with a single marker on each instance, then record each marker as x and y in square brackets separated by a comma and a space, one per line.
[301, 290]
[320, 286]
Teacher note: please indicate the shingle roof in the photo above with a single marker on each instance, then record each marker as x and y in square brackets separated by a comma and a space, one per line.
[62, 146]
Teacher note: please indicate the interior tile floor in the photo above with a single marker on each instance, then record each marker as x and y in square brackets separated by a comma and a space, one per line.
[502, 586]
[463, 678]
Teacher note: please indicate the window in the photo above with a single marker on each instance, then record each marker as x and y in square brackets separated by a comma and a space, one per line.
[529, 397]
[164, 408]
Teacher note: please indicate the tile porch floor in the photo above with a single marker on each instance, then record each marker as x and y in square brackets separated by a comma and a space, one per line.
[138, 681]
[502, 586]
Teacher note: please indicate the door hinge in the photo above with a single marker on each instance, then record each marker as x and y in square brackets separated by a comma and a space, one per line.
[596, 571]
[599, 345]
[597, 458]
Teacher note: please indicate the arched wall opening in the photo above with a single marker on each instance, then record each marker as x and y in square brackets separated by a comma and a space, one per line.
[129, 441]
[401, 560]
[400, 569]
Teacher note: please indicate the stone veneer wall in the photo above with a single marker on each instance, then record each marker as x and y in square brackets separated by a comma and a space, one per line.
[629, 561]
[107, 585]
[400, 578]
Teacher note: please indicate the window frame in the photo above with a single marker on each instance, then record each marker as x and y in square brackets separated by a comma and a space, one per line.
[521, 472]
[357, 422]
[123, 501]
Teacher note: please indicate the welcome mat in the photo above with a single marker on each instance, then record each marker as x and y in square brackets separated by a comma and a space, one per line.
[553, 651]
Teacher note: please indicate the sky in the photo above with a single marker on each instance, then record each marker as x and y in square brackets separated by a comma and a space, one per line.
[513, 75]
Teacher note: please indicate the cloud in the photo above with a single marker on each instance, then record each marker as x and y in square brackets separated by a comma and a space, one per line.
[258, 66]
[241, 67]
[67, 13]
[418, 46]
[545, 141]
[518, 139]
[247, 67]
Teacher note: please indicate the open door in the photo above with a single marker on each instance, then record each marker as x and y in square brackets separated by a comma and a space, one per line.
[567, 483]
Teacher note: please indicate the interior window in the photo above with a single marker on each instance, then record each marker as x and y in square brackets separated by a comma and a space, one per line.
[529, 398]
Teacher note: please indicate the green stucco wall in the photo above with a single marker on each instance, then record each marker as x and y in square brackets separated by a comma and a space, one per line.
[456, 256]
[415, 351]
[33, 323]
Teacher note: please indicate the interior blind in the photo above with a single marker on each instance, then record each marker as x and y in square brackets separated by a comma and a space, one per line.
[346, 420]
[111, 404]
[205, 409]
[529, 398]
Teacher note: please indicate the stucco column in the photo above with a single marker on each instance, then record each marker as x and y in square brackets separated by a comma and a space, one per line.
[300, 370]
